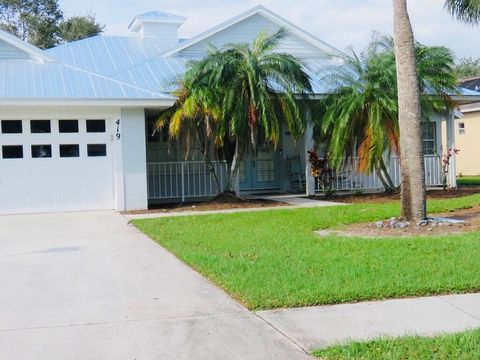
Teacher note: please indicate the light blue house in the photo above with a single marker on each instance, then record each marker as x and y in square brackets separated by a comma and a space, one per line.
[77, 120]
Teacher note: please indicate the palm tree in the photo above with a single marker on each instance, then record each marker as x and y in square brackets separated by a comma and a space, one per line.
[464, 10]
[255, 88]
[413, 198]
[413, 183]
[360, 116]
[195, 115]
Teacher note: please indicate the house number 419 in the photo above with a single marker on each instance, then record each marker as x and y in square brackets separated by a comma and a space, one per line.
[117, 134]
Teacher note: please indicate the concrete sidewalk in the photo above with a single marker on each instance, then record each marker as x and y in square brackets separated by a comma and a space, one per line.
[292, 201]
[323, 326]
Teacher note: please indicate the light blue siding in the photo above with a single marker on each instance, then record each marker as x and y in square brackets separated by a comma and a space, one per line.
[8, 51]
[246, 31]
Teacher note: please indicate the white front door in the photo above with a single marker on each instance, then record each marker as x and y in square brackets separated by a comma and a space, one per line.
[56, 165]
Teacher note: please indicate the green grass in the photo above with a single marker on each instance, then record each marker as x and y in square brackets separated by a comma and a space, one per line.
[469, 180]
[273, 259]
[463, 346]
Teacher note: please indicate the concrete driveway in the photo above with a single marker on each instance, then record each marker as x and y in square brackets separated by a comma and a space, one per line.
[89, 286]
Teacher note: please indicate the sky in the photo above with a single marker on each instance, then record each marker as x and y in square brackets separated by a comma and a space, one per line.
[341, 23]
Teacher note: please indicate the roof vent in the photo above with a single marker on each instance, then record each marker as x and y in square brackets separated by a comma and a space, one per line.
[158, 26]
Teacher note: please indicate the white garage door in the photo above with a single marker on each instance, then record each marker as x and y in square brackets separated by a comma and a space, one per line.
[55, 165]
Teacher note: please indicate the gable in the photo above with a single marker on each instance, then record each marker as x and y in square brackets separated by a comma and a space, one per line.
[246, 31]
[8, 51]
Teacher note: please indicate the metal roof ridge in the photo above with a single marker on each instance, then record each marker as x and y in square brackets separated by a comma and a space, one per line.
[116, 81]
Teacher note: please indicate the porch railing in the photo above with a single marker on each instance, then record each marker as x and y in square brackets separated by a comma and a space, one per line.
[183, 180]
[350, 179]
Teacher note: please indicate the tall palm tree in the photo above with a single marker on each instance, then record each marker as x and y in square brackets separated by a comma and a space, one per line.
[256, 88]
[413, 198]
[413, 182]
[360, 116]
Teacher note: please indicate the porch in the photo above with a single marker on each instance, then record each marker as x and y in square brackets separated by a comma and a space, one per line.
[177, 172]
[189, 181]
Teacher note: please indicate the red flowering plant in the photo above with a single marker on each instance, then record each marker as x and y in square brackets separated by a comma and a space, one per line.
[321, 171]
[446, 165]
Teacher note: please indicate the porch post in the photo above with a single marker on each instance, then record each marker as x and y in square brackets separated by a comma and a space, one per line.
[452, 170]
[309, 145]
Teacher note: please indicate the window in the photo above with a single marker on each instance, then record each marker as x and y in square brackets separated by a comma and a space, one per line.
[96, 126]
[68, 126]
[461, 128]
[40, 127]
[41, 151]
[12, 151]
[95, 150]
[11, 126]
[429, 136]
[69, 150]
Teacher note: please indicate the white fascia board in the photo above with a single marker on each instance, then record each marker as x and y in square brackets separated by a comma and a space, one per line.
[154, 103]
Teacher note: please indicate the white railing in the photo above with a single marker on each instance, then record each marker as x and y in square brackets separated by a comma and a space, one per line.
[183, 180]
[350, 179]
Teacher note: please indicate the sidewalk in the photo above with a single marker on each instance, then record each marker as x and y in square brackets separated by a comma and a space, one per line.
[319, 327]
[293, 201]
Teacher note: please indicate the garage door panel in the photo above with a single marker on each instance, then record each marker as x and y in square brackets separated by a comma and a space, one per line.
[57, 183]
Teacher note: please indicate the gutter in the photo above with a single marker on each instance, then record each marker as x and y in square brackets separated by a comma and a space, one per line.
[124, 103]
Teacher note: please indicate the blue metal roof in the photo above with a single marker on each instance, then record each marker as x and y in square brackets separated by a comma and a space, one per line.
[113, 67]
[28, 79]
[160, 15]
[468, 92]
[140, 63]
[106, 55]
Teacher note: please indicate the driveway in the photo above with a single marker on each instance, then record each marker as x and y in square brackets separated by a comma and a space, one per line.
[89, 286]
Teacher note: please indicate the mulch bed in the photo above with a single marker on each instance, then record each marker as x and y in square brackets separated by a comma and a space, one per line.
[215, 204]
[383, 198]
[471, 217]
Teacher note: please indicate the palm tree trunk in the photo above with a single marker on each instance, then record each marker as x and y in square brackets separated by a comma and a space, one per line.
[233, 168]
[411, 155]
[384, 176]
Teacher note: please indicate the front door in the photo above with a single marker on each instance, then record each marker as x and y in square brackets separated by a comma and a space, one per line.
[260, 171]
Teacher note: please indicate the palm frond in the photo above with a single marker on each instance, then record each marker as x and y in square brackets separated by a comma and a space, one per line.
[465, 10]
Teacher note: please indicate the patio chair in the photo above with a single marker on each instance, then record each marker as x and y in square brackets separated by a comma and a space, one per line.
[296, 174]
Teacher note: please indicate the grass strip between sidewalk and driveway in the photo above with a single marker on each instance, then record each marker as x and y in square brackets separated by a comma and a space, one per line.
[273, 259]
[462, 346]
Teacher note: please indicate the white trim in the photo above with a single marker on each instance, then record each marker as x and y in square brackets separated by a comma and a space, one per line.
[148, 18]
[260, 10]
[90, 102]
[34, 52]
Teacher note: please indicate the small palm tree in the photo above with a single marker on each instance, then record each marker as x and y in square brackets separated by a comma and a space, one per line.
[254, 87]
[360, 116]
[195, 115]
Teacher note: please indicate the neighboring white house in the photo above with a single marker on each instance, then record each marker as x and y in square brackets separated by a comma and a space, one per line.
[76, 121]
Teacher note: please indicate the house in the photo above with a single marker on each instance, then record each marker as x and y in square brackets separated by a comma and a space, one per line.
[467, 133]
[76, 121]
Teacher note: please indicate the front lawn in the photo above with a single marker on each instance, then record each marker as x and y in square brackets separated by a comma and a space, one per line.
[469, 181]
[273, 259]
[463, 346]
